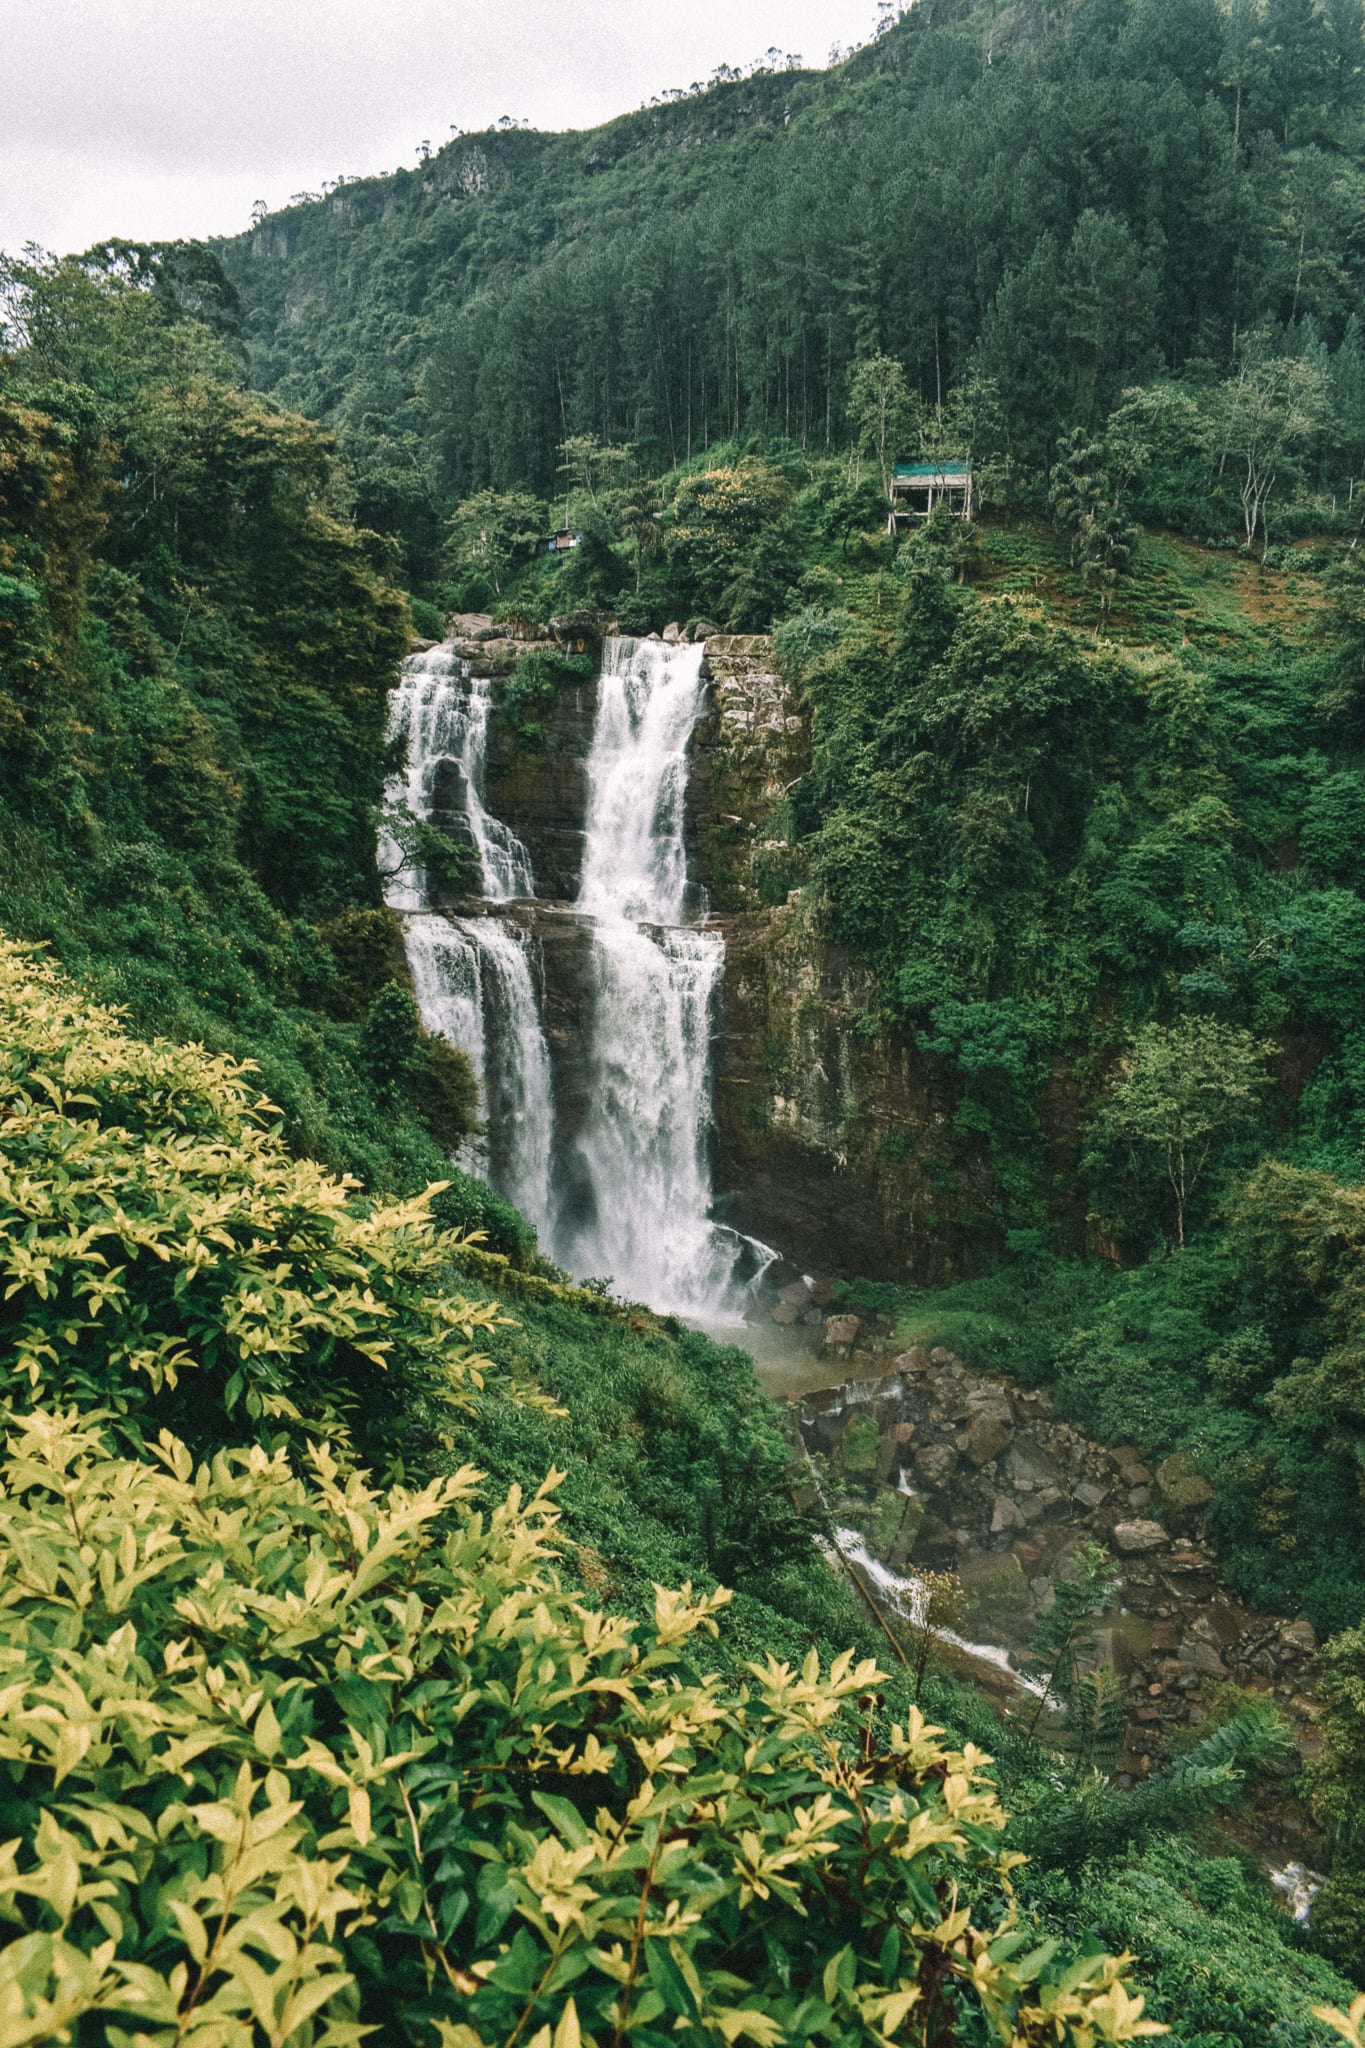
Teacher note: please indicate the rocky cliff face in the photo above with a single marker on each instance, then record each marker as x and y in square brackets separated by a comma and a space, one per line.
[833, 1132]
[834, 1135]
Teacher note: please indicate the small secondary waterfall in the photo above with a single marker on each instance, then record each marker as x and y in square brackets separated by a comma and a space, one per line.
[630, 1197]
[474, 978]
[442, 713]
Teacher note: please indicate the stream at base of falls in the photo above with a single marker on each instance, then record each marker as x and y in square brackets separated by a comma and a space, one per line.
[626, 1195]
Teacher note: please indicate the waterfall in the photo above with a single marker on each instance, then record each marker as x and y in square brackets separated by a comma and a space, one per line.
[629, 1197]
[474, 979]
[642, 1178]
[634, 857]
[441, 712]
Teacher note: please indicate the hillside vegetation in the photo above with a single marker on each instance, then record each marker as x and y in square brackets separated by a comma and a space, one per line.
[333, 1754]
[295, 1753]
[196, 650]
[1030, 210]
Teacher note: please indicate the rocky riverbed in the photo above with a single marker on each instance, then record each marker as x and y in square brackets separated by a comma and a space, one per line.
[938, 1467]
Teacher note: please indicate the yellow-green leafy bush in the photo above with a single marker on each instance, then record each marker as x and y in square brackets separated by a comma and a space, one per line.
[160, 1245]
[287, 1757]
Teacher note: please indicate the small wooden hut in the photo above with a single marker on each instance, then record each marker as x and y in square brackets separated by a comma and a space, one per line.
[918, 488]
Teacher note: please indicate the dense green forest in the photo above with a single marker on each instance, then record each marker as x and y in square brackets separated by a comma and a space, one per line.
[1031, 210]
[1087, 793]
[196, 650]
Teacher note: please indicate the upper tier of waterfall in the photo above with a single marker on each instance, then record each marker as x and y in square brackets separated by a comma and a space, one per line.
[634, 856]
[441, 712]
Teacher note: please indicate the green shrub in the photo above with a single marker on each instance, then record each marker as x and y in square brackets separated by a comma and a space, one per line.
[327, 1756]
[291, 1756]
[163, 1254]
[428, 622]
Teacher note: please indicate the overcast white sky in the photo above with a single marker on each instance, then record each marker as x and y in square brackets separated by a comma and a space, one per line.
[157, 118]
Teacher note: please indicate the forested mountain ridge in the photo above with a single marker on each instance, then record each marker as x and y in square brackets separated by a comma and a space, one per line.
[1062, 203]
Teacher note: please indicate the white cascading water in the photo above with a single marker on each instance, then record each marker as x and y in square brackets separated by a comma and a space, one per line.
[442, 713]
[643, 1164]
[474, 978]
[633, 1203]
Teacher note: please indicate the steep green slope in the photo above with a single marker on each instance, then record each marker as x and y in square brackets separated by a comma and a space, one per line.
[292, 1750]
[196, 650]
[301, 1724]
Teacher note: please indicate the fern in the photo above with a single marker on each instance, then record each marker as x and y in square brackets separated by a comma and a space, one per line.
[1066, 1634]
[1097, 1819]
[1097, 1713]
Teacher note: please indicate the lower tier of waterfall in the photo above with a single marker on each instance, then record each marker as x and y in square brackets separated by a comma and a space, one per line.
[639, 1179]
[475, 980]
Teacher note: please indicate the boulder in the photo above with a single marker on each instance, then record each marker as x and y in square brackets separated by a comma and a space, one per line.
[993, 1401]
[936, 1464]
[673, 634]
[577, 629]
[1090, 1495]
[1184, 1489]
[1028, 1467]
[1203, 1656]
[1298, 1639]
[985, 1437]
[840, 1334]
[1139, 1536]
[794, 1295]
[1044, 1505]
[1005, 1515]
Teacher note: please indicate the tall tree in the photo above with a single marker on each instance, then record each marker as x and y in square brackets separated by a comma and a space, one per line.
[879, 410]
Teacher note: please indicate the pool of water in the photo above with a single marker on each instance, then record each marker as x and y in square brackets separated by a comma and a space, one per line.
[786, 1359]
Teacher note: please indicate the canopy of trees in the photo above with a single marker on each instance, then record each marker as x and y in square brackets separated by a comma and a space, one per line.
[1065, 204]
